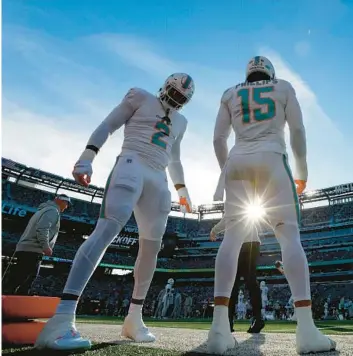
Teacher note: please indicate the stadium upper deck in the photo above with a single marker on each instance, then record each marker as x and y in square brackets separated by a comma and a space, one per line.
[338, 199]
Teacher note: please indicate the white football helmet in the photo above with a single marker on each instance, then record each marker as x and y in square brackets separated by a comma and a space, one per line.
[260, 64]
[262, 284]
[177, 90]
[171, 281]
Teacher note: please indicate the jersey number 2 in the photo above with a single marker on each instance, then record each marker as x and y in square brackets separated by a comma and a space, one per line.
[268, 106]
[163, 130]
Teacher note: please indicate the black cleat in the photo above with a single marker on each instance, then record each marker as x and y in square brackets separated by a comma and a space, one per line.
[256, 326]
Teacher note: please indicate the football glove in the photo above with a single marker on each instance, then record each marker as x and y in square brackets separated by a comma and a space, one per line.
[83, 172]
[278, 264]
[301, 185]
[184, 200]
[213, 236]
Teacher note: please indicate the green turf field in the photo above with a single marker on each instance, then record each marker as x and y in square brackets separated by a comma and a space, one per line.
[329, 327]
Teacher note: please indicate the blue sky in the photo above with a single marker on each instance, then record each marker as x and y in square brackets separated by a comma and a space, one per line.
[66, 64]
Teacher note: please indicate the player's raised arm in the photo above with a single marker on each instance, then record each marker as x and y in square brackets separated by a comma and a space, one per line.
[176, 173]
[294, 118]
[222, 131]
[83, 168]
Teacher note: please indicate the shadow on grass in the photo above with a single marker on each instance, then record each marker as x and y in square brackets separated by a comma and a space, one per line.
[30, 351]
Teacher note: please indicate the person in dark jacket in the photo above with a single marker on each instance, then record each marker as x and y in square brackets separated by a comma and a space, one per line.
[249, 253]
[37, 240]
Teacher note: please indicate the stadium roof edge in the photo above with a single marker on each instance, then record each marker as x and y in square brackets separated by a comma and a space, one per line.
[21, 172]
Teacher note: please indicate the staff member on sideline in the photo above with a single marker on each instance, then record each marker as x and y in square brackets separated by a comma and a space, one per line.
[37, 240]
[249, 253]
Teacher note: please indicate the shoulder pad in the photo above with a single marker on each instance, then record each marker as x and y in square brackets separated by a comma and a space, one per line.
[136, 95]
[184, 119]
[181, 118]
[286, 85]
[227, 95]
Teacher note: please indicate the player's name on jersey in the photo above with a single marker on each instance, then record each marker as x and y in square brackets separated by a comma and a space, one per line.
[252, 84]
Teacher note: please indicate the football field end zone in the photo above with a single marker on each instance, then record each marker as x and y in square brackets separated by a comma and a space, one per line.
[186, 342]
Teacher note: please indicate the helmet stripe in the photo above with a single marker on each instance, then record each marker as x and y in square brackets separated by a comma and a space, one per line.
[257, 60]
[187, 82]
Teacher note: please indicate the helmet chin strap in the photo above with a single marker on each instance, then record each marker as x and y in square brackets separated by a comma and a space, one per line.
[167, 108]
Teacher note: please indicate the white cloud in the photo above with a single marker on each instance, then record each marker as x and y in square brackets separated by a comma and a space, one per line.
[54, 142]
[41, 142]
[302, 48]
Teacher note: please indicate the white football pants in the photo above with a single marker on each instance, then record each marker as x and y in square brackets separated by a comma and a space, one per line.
[265, 175]
[131, 186]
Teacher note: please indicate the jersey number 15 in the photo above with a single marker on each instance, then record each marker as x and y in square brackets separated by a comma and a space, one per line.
[267, 110]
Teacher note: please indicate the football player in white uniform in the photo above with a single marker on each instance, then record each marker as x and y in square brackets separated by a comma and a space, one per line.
[326, 310]
[279, 266]
[153, 131]
[160, 298]
[167, 296]
[177, 305]
[241, 306]
[264, 298]
[257, 110]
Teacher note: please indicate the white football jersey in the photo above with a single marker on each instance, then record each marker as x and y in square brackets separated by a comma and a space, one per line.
[258, 112]
[147, 133]
[264, 292]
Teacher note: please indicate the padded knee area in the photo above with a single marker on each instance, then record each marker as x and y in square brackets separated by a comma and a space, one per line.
[154, 230]
[89, 255]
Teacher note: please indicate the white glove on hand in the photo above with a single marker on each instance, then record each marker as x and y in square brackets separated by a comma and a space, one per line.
[82, 172]
[184, 200]
[213, 236]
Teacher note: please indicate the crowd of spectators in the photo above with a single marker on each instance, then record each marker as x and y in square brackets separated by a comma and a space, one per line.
[106, 295]
[67, 250]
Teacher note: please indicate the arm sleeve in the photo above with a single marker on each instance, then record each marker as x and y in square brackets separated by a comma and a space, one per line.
[175, 167]
[117, 118]
[221, 133]
[294, 118]
[44, 224]
[219, 227]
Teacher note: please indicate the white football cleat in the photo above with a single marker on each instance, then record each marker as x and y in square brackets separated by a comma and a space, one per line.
[60, 333]
[312, 341]
[220, 340]
[135, 329]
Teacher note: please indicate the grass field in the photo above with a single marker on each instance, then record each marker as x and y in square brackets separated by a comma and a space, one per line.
[103, 330]
[329, 327]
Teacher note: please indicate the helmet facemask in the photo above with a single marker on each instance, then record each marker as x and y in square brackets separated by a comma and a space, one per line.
[173, 97]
